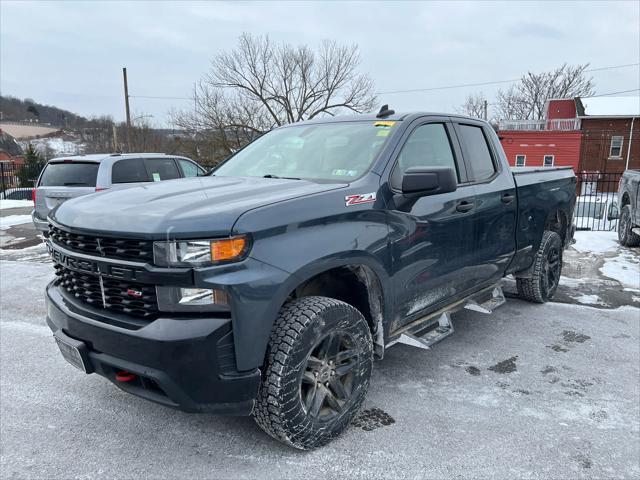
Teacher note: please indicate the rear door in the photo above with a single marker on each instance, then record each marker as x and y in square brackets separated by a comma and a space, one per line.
[431, 237]
[495, 200]
[62, 180]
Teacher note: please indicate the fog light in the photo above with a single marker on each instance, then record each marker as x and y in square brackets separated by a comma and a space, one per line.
[202, 296]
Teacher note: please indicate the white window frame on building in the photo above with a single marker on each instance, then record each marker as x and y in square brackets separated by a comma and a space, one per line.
[544, 160]
[524, 160]
[611, 147]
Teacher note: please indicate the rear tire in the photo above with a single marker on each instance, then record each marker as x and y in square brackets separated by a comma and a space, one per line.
[626, 237]
[317, 372]
[546, 270]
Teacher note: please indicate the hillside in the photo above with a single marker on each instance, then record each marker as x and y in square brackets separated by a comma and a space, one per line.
[17, 110]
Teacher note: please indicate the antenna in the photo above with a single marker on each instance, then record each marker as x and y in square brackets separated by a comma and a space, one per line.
[385, 112]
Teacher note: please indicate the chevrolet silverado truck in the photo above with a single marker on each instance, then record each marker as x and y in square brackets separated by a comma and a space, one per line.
[629, 201]
[268, 287]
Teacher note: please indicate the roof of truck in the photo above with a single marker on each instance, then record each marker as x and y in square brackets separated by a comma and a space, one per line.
[373, 117]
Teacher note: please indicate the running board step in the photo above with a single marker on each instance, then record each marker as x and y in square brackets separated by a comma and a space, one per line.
[636, 230]
[496, 299]
[442, 331]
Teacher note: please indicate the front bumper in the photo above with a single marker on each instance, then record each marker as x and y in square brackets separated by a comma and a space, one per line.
[184, 362]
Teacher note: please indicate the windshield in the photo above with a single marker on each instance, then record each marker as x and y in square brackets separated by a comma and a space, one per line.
[69, 174]
[328, 151]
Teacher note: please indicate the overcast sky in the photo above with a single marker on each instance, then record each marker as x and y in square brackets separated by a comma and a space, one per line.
[70, 54]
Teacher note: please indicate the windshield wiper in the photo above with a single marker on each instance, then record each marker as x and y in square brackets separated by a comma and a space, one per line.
[270, 175]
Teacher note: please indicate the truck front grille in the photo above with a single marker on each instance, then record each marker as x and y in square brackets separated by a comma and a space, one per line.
[130, 298]
[109, 247]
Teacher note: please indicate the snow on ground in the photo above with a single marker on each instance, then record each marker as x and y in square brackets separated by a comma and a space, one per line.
[625, 268]
[589, 299]
[620, 263]
[596, 242]
[11, 220]
[6, 204]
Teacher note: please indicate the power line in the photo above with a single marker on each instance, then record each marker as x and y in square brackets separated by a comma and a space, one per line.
[615, 93]
[496, 82]
[160, 97]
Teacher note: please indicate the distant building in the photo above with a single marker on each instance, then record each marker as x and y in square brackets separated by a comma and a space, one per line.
[554, 141]
[610, 133]
[10, 150]
[589, 134]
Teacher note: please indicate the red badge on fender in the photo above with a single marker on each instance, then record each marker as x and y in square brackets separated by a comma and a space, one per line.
[358, 199]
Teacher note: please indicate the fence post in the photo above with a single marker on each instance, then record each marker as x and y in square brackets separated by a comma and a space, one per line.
[2, 177]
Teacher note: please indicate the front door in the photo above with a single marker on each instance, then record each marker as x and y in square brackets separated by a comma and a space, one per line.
[431, 237]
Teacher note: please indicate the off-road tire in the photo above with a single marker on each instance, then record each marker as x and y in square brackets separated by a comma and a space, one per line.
[626, 237]
[301, 326]
[533, 288]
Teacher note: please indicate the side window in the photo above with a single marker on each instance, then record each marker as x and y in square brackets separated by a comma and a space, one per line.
[615, 151]
[427, 146]
[129, 170]
[521, 160]
[548, 161]
[477, 152]
[162, 169]
[189, 169]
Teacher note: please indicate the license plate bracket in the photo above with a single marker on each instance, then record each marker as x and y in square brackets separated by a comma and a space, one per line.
[74, 351]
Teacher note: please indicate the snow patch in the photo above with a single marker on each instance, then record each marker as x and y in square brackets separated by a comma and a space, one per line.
[11, 220]
[624, 268]
[589, 299]
[596, 242]
[6, 204]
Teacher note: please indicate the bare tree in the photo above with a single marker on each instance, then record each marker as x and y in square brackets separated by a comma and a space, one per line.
[474, 106]
[260, 85]
[526, 99]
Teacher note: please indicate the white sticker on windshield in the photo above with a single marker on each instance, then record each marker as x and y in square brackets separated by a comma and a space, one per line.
[344, 173]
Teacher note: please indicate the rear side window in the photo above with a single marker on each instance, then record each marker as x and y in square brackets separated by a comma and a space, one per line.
[477, 153]
[72, 174]
[189, 169]
[162, 169]
[129, 170]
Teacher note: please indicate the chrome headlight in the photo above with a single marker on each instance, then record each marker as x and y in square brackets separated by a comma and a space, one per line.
[195, 253]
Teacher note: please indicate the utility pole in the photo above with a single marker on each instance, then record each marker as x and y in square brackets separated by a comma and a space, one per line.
[126, 105]
[484, 109]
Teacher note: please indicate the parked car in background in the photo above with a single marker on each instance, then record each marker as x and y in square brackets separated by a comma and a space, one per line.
[629, 201]
[69, 177]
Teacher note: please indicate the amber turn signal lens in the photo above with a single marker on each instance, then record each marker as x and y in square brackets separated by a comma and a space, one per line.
[227, 249]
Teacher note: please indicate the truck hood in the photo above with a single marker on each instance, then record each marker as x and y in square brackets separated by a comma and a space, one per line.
[192, 207]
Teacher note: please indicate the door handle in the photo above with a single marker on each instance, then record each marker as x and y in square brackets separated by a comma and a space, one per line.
[464, 206]
[508, 198]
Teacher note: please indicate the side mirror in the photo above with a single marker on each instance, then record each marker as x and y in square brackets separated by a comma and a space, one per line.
[423, 181]
[614, 212]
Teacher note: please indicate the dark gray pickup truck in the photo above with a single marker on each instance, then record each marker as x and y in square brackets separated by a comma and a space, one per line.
[268, 287]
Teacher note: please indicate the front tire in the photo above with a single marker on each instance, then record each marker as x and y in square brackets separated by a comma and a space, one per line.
[546, 271]
[626, 237]
[318, 367]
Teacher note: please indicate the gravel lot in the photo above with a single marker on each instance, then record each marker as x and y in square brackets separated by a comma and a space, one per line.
[533, 391]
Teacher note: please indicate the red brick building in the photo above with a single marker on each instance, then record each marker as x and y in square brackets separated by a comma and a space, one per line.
[554, 141]
[610, 133]
[589, 134]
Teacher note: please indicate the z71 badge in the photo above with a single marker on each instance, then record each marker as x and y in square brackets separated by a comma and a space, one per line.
[358, 199]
